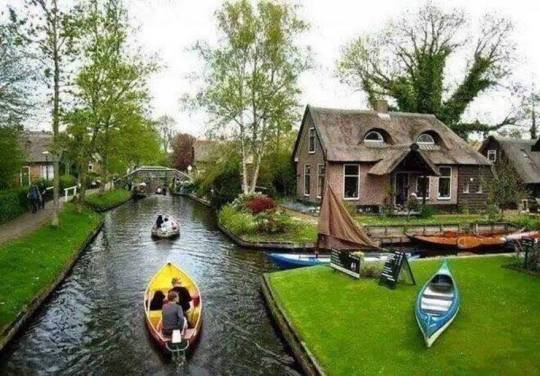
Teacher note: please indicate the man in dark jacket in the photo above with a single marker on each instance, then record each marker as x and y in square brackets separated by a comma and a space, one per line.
[172, 315]
[184, 297]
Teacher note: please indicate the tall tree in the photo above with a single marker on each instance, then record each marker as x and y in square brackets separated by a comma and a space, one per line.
[182, 155]
[166, 124]
[250, 79]
[407, 61]
[50, 28]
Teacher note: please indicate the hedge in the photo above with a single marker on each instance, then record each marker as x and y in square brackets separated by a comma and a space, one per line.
[13, 202]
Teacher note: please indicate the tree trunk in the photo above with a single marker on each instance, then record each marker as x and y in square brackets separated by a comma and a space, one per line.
[56, 115]
[82, 192]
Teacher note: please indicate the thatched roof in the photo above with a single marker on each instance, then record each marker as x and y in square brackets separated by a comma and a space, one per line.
[341, 133]
[34, 143]
[524, 155]
[205, 150]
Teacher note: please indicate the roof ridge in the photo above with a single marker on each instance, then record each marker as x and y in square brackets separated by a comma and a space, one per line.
[370, 112]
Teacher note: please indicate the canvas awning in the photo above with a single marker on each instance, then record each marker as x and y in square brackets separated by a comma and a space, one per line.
[337, 229]
[410, 155]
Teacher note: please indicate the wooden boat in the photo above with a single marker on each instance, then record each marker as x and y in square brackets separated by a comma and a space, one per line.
[523, 235]
[297, 260]
[450, 239]
[437, 304]
[166, 232]
[162, 281]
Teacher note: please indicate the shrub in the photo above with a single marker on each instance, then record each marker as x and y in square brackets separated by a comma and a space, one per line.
[260, 204]
[427, 211]
[239, 222]
[273, 222]
[67, 181]
[13, 203]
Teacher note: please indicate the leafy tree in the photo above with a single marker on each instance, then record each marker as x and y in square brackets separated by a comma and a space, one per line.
[165, 125]
[250, 79]
[49, 27]
[11, 155]
[408, 60]
[182, 155]
[506, 189]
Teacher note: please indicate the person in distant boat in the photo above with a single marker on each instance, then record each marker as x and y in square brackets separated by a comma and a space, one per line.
[172, 315]
[184, 297]
[157, 301]
[159, 221]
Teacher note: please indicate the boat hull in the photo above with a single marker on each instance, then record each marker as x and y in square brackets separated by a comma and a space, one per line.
[461, 241]
[298, 260]
[162, 281]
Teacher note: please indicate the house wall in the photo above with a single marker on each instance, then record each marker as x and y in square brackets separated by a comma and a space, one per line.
[475, 176]
[433, 194]
[303, 157]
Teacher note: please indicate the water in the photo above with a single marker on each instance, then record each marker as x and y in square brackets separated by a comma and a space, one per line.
[94, 323]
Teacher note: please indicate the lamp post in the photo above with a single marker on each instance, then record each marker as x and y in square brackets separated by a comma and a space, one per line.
[46, 154]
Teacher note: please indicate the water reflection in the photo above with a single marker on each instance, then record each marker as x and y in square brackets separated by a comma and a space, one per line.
[94, 324]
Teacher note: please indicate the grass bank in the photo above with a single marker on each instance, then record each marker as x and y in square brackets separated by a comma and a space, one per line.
[358, 327]
[108, 200]
[30, 265]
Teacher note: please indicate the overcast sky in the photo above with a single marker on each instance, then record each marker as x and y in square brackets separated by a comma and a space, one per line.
[169, 27]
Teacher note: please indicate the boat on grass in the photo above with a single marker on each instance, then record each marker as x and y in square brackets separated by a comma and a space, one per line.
[168, 230]
[297, 260]
[437, 304]
[460, 240]
[162, 281]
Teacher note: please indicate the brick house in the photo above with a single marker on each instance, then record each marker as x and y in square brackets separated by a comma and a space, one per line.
[523, 156]
[376, 158]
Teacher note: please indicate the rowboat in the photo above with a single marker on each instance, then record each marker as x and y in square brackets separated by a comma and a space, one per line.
[162, 281]
[166, 231]
[297, 260]
[450, 239]
[437, 304]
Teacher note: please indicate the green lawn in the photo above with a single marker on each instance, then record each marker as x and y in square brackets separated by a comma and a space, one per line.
[30, 264]
[108, 200]
[300, 233]
[358, 327]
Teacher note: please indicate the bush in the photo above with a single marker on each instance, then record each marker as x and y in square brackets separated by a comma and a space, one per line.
[13, 203]
[67, 181]
[427, 211]
[273, 222]
[239, 222]
[260, 204]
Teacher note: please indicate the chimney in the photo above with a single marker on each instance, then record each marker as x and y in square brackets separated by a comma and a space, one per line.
[381, 106]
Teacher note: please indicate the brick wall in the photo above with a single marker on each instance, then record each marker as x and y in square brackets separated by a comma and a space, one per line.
[472, 187]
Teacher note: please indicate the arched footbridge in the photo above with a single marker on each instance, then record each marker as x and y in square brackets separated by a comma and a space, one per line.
[153, 176]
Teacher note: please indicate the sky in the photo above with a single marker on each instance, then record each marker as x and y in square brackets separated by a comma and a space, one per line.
[168, 28]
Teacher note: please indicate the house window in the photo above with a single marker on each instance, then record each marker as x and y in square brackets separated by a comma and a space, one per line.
[422, 184]
[374, 137]
[312, 140]
[47, 172]
[307, 179]
[480, 189]
[321, 172]
[466, 187]
[492, 155]
[445, 182]
[351, 181]
[425, 139]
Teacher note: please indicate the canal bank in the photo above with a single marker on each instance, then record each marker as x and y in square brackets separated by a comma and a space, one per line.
[36, 264]
[356, 326]
[95, 319]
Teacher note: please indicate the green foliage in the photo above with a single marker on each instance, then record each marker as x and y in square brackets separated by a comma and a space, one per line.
[407, 61]
[506, 189]
[391, 342]
[67, 181]
[239, 222]
[108, 200]
[427, 211]
[11, 154]
[34, 262]
[13, 203]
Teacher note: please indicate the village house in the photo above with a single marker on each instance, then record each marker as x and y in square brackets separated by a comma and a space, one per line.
[39, 160]
[205, 152]
[523, 156]
[377, 158]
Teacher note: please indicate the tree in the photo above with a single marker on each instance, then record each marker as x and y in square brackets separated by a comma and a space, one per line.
[165, 125]
[250, 79]
[11, 155]
[50, 29]
[407, 61]
[182, 155]
[506, 189]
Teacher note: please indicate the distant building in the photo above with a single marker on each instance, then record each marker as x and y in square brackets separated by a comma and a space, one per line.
[205, 152]
[39, 161]
[523, 156]
[376, 158]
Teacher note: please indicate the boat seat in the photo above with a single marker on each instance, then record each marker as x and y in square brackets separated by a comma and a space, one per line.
[189, 334]
[441, 286]
[437, 307]
[444, 295]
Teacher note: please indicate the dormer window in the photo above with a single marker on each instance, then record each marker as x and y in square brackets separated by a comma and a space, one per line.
[374, 137]
[425, 139]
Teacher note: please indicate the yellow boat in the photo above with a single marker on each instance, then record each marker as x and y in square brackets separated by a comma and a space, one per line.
[162, 281]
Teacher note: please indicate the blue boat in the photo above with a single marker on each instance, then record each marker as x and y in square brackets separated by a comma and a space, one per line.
[437, 304]
[297, 260]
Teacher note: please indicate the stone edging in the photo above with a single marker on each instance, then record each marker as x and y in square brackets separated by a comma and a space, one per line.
[28, 311]
[303, 356]
[268, 246]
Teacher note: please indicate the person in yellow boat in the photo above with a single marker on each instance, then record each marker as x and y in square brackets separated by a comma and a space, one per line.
[172, 315]
[184, 297]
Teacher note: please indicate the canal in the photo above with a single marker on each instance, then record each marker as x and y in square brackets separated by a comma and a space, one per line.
[94, 323]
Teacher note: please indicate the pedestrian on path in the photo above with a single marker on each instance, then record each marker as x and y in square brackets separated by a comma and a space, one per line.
[35, 197]
[42, 198]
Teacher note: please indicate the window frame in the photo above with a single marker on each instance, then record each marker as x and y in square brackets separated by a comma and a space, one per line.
[380, 141]
[358, 181]
[307, 165]
[312, 137]
[450, 177]
[320, 188]
[491, 152]
[424, 142]
[418, 193]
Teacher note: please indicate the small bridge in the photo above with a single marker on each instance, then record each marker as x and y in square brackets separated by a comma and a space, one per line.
[153, 176]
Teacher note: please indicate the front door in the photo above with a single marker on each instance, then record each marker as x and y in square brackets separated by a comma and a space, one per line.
[402, 188]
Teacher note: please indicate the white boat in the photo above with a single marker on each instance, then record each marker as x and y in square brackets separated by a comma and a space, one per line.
[169, 229]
